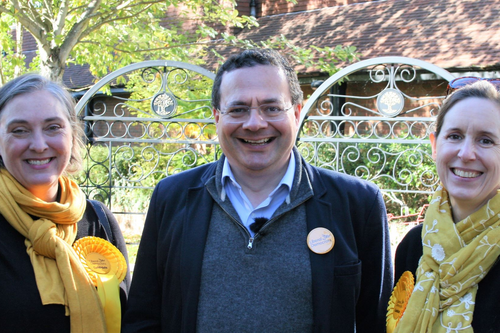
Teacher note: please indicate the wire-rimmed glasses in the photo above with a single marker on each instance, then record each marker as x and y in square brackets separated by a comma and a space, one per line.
[241, 113]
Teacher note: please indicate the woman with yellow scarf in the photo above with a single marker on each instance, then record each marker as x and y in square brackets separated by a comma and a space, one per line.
[44, 287]
[454, 253]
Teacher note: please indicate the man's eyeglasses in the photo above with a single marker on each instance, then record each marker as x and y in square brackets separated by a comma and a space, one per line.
[466, 80]
[241, 113]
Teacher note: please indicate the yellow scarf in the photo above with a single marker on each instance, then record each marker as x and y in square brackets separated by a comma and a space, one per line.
[455, 258]
[60, 277]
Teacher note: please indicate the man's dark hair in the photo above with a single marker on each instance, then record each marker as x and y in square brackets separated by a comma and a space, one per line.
[254, 57]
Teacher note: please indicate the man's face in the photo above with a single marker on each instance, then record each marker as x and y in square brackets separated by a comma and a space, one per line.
[256, 146]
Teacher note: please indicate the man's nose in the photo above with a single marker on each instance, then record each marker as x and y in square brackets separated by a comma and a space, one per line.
[255, 120]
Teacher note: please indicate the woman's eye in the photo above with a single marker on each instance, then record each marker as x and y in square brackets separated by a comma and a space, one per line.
[54, 128]
[486, 142]
[454, 137]
[19, 131]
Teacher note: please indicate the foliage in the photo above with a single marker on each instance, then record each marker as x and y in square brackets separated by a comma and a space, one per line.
[324, 59]
[132, 250]
[12, 61]
[110, 34]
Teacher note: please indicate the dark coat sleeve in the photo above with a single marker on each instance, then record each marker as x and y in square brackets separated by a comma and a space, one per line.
[164, 291]
[144, 304]
[377, 272]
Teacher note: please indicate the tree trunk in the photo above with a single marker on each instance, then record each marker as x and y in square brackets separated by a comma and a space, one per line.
[19, 47]
[51, 66]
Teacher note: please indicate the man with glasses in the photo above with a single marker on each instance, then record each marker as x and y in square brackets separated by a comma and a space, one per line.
[261, 241]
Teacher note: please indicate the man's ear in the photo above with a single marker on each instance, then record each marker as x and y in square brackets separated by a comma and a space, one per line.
[216, 115]
[297, 111]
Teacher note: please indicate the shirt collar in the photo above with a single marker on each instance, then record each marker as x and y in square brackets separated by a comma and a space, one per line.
[287, 179]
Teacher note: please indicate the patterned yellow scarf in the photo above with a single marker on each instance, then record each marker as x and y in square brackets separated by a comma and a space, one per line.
[456, 257]
[60, 277]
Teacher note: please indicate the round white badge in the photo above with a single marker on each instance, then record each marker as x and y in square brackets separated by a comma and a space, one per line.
[320, 240]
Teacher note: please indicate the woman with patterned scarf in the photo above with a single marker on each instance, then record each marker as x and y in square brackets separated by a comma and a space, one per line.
[44, 286]
[454, 253]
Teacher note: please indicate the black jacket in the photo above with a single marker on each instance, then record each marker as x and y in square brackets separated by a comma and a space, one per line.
[351, 283]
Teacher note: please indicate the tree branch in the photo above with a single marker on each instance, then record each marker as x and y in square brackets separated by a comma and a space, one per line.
[75, 33]
[117, 6]
[61, 18]
[107, 20]
[214, 42]
[34, 27]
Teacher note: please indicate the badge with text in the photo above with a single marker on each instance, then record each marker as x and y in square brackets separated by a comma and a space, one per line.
[320, 240]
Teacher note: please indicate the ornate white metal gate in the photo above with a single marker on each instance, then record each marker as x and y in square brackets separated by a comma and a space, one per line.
[371, 119]
[159, 124]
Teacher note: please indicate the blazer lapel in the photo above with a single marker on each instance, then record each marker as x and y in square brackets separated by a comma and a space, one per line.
[319, 214]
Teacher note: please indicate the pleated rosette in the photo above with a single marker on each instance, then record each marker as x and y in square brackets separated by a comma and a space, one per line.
[106, 267]
[399, 300]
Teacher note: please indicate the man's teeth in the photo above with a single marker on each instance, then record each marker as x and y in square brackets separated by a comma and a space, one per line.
[466, 174]
[39, 162]
[258, 141]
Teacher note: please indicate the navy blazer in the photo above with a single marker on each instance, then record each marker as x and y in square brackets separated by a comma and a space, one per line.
[351, 283]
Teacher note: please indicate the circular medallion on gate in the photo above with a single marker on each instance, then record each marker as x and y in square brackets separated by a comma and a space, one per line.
[390, 102]
[164, 104]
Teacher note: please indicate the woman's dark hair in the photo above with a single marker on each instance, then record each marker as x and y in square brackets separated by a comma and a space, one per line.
[29, 83]
[479, 89]
[254, 57]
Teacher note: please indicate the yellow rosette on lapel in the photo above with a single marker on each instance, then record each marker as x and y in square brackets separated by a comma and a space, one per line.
[399, 299]
[106, 267]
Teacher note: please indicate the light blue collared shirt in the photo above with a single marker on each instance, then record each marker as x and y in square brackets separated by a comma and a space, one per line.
[242, 204]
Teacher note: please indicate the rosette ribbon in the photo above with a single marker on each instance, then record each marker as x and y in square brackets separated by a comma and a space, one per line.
[106, 267]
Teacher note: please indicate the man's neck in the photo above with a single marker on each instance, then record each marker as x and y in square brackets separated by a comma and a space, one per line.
[257, 186]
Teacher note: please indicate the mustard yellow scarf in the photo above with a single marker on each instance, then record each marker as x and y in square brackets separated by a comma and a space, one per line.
[455, 258]
[60, 277]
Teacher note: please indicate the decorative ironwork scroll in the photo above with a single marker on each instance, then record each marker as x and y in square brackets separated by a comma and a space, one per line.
[378, 128]
[161, 123]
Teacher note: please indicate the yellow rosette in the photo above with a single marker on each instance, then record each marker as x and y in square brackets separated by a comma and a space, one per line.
[399, 299]
[106, 267]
